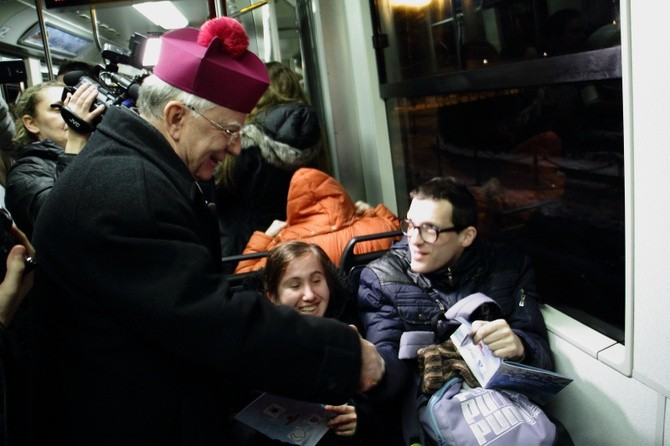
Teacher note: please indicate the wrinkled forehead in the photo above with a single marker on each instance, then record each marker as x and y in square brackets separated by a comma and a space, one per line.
[429, 210]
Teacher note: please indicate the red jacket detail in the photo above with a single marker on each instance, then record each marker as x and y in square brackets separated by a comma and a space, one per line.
[320, 211]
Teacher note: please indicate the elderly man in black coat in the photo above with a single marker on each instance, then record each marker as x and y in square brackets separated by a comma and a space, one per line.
[135, 339]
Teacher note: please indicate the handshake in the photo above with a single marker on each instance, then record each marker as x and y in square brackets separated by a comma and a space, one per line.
[372, 365]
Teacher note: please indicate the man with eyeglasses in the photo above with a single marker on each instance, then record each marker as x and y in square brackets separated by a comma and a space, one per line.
[136, 341]
[439, 262]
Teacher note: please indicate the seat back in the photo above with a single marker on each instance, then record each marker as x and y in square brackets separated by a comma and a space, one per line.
[349, 259]
[242, 281]
[230, 262]
[352, 264]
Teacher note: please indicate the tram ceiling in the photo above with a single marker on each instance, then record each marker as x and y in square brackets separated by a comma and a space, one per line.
[116, 21]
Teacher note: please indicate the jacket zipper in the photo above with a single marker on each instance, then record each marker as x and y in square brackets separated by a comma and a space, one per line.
[443, 309]
[522, 300]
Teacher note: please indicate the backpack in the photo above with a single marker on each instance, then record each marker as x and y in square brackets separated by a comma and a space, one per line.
[457, 415]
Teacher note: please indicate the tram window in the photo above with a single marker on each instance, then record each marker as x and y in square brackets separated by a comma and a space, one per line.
[547, 170]
[10, 92]
[452, 35]
[472, 90]
[60, 41]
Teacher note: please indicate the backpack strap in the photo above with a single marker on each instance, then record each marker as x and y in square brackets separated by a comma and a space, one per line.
[468, 305]
[411, 341]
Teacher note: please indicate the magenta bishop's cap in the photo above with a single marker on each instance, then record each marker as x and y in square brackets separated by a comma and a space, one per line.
[213, 63]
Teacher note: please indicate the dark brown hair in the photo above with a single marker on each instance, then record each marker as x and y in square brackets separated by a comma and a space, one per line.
[284, 253]
[455, 192]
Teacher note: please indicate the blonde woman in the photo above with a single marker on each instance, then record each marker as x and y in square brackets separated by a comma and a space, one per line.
[43, 146]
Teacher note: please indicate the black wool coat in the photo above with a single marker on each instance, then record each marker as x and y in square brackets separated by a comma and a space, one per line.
[135, 341]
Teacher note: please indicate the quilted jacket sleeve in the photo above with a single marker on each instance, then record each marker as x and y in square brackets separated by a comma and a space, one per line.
[383, 327]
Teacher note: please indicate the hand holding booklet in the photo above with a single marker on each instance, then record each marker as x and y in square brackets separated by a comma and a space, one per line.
[492, 372]
[287, 420]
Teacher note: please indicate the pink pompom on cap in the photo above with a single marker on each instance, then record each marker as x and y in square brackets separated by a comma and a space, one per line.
[231, 32]
[213, 63]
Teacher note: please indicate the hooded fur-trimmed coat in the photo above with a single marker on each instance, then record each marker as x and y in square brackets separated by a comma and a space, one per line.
[278, 142]
[320, 211]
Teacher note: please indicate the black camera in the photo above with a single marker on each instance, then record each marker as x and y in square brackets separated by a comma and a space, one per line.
[7, 241]
[113, 88]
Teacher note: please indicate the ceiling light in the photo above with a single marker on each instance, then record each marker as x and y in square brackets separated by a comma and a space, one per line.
[164, 14]
[411, 3]
[151, 51]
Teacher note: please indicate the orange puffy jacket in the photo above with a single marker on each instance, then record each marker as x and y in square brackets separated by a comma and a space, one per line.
[320, 211]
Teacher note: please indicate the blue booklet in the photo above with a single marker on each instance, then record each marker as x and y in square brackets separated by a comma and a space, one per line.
[287, 420]
[492, 372]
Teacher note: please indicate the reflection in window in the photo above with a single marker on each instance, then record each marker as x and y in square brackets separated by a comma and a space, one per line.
[546, 166]
[443, 36]
[538, 137]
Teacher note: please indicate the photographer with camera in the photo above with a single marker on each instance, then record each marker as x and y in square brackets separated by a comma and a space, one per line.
[135, 338]
[44, 145]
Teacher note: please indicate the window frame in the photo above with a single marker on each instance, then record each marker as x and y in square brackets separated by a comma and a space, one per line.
[601, 64]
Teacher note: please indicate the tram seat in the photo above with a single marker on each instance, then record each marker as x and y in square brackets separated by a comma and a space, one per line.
[250, 280]
[563, 437]
[349, 259]
[352, 264]
[243, 281]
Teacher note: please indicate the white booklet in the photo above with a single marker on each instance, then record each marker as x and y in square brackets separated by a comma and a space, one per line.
[286, 419]
[492, 372]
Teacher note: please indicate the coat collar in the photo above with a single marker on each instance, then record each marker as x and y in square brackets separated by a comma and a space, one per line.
[132, 131]
[469, 265]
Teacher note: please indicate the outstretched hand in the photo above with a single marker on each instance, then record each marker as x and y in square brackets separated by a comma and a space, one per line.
[344, 422]
[372, 364]
[16, 284]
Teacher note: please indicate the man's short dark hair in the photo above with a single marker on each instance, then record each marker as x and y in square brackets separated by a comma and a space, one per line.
[455, 192]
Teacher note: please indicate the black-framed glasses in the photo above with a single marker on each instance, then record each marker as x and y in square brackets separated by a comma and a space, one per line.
[428, 233]
[230, 134]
